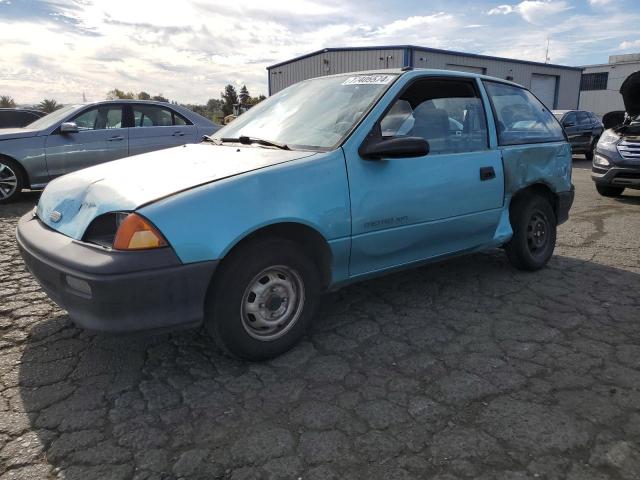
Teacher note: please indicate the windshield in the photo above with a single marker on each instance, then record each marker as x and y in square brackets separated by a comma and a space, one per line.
[312, 114]
[51, 119]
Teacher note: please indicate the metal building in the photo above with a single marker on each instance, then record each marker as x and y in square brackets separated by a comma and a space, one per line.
[556, 85]
[600, 86]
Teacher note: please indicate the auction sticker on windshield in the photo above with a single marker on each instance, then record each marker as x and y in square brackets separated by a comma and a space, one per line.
[368, 80]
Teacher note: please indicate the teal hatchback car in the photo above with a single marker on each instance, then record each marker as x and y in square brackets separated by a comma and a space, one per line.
[333, 180]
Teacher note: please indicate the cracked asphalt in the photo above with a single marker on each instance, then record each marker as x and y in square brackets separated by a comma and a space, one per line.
[467, 369]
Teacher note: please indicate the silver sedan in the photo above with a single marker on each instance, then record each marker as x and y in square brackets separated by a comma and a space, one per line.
[79, 136]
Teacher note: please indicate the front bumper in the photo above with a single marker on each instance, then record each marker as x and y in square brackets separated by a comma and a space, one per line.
[114, 291]
[617, 176]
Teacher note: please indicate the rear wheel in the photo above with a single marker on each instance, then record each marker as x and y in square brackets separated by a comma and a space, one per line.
[608, 191]
[262, 299]
[11, 181]
[589, 153]
[534, 232]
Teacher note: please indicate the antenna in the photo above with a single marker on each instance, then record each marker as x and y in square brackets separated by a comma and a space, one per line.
[546, 53]
[84, 98]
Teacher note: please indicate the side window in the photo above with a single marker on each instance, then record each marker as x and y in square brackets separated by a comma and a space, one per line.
[583, 118]
[100, 118]
[570, 119]
[179, 120]
[155, 116]
[447, 113]
[520, 116]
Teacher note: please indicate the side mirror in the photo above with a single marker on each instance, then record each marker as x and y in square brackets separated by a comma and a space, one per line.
[69, 127]
[400, 147]
[568, 124]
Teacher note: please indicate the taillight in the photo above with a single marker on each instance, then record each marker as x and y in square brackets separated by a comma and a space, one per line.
[136, 233]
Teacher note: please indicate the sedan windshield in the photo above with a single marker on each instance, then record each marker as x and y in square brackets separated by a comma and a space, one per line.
[51, 119]
[315, 114]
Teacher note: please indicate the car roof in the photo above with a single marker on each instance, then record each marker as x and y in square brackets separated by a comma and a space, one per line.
[17, 109]
[427, 71]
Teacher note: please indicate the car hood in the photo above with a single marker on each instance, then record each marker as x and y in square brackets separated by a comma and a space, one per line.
[127, 184]
[10, 133]
[630, 91]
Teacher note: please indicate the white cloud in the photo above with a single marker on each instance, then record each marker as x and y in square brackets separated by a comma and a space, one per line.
[627, 45]
[502, 10]
[599, 2]
[533, 11]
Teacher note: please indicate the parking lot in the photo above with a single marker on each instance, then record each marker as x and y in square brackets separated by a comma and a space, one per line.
[464, 369]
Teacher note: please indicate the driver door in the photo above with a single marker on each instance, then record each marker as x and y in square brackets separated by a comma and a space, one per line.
[406, 210]
[101, 137]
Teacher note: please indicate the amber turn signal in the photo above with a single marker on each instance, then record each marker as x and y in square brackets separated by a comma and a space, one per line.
[136, 233]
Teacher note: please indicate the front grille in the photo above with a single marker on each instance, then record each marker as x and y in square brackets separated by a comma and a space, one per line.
[629, 150]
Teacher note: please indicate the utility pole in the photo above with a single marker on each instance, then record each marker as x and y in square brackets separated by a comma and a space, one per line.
[546, 54]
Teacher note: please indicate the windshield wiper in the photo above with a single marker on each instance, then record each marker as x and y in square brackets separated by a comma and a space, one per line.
[207, 138]
[249, 140]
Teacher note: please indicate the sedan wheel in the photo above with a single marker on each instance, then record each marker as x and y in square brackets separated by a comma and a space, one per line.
[10, 181]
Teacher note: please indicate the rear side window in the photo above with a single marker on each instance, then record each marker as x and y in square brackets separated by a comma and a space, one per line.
[520, 116]
[583, 118]
[155, 116]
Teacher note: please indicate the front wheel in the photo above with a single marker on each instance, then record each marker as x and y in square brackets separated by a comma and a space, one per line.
[11, 181]
[262, 299]
[534, 232]
[608, 191]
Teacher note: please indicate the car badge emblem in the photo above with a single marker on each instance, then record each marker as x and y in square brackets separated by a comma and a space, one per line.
[55, 216]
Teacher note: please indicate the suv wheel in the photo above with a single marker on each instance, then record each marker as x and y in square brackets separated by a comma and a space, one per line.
[589, 153]
[534, 232]
[263, 299]
[607, 191]
[11, 181]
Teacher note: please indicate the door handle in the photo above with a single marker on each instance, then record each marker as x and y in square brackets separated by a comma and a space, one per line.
[178, 134]
[487, 173]
[116, 138]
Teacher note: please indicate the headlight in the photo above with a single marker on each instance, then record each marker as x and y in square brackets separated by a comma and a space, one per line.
[608, 138]
[124, 231]
[600, 160]
[137, 233]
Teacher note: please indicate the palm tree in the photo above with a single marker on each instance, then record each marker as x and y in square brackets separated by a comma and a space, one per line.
[7, 102]
[49, 105]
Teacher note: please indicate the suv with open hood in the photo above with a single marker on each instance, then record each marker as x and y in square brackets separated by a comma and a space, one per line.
[616, 161]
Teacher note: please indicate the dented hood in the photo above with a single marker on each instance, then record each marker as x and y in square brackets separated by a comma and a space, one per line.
[71, 202]
[630, 91]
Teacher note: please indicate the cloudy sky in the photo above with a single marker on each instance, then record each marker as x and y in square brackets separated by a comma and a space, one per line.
[189, 49]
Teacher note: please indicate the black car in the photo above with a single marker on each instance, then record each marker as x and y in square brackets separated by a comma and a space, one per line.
[616, 162]
[582, 128]
[18, 117]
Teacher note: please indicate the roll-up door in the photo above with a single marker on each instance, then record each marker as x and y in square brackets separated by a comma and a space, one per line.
[544, 87]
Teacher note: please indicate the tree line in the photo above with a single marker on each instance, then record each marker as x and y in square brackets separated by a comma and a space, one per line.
[47, 105]
[215, 108]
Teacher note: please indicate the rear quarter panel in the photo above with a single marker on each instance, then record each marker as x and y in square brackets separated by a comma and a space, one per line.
[206, 222]
[547, 163]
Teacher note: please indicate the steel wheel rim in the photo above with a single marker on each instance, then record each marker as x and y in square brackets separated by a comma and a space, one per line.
[272, 303]
[537, 232]
[8, 181]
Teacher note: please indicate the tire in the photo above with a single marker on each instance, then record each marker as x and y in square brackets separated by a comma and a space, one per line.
[11, 180]
[265, 278]
[608, 191]
[534, 232]
[589, 153]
